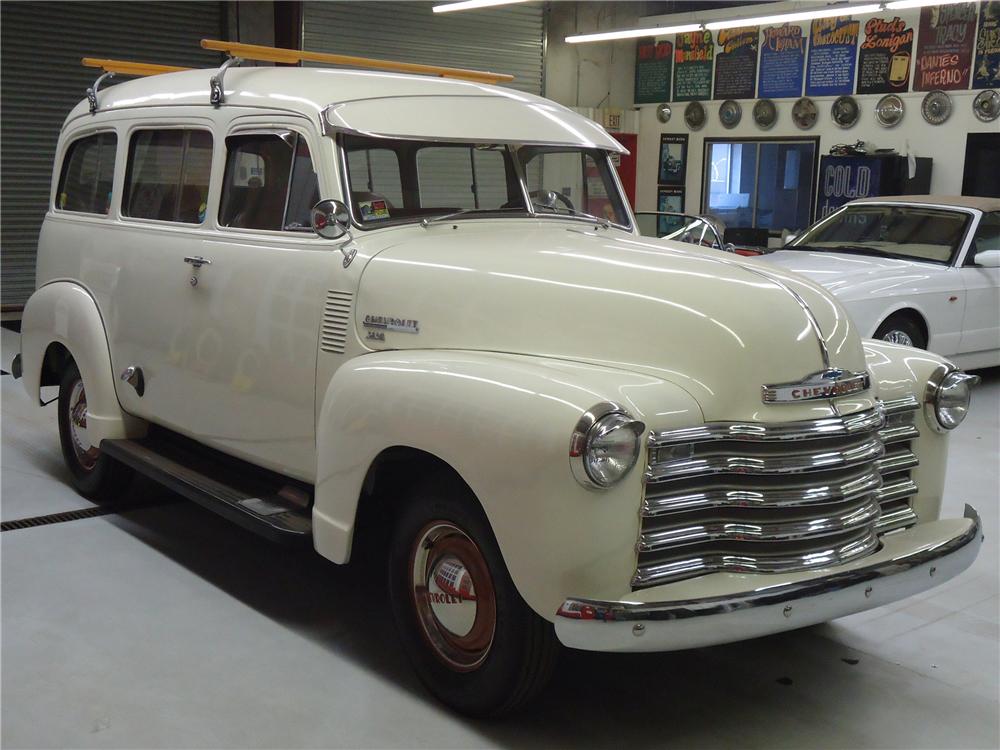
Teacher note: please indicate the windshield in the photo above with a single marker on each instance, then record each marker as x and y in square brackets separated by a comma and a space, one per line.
[393, 181]
[909, 232]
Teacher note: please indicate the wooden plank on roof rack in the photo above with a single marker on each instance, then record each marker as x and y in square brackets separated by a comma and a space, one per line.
[129, 68]
[281, 55]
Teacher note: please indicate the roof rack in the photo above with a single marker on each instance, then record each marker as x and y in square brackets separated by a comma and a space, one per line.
[238, 51]
[121, 67]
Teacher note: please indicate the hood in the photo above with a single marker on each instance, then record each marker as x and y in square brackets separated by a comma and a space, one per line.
[715, 325]
[846, 273]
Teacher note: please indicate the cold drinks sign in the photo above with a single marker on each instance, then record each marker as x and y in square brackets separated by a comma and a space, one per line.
[843, 179]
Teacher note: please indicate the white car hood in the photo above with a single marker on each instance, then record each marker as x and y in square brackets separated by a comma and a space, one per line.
[840, 272]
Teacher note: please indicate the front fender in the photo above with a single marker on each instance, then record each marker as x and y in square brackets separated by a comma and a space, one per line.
[63, 312]
[503, 423]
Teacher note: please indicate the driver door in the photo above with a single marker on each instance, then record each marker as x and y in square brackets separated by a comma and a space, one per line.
[981, 325]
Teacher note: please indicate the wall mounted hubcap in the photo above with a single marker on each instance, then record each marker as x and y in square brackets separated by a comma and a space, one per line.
[453, 595]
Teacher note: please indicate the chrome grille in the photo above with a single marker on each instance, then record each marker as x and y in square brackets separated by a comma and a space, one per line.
[897, 483]
[774, 497]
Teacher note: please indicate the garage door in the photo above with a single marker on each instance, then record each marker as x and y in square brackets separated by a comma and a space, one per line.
[41, 45]
[503, 40]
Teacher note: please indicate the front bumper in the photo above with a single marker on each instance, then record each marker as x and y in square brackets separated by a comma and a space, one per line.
[908, 563]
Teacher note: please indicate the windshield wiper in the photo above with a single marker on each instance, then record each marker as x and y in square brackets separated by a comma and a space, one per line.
[427, 221]
[847, 250]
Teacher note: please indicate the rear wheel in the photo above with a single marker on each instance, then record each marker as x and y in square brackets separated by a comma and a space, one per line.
[94, 474]
[901, 329]
[473, 641]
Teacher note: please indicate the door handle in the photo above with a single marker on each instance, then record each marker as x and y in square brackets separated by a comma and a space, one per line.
[197, 261]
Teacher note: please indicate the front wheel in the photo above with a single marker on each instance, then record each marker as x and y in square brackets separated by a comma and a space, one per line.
[95, 475]
[473, 641]
[901, 329]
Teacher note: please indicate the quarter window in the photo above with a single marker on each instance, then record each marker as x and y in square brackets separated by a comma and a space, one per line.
[87, 175]
[270, 182]
[167, 176]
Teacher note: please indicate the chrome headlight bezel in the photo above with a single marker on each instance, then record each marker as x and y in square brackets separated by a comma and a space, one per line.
[598, 422]
[947, 399]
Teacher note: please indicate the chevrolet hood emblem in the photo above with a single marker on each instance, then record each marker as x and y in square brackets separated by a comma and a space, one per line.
[829, 383]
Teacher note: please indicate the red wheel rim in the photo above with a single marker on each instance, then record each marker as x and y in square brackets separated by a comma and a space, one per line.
[85, 451]
[453, 595]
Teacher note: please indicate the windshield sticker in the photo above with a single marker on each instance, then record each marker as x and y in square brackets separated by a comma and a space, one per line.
[374, 210]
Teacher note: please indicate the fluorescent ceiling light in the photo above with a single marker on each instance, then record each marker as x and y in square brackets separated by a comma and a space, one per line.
[472, 4]
[829, 11]
[904, 4]
[806, 15]
[606, 36]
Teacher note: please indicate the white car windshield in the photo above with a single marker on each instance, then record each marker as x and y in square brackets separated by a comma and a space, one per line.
[907, 232]
[394, 181]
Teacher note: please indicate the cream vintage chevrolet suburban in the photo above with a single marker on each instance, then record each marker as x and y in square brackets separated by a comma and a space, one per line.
[348, 308]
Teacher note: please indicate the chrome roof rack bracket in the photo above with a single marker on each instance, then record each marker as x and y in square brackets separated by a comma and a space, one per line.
[92, 90]
[218, 94]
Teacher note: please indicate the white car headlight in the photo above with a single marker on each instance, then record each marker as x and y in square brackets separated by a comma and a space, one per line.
[605, 445]
[948, 397]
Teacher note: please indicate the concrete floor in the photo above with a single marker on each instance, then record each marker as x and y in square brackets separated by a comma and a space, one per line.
[168, 627]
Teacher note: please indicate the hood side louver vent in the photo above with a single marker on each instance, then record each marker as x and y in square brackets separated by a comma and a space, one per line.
[336, 322]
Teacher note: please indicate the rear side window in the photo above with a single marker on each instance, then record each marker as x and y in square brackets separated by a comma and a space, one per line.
[270, 182]
[87, 175]
[167, 175]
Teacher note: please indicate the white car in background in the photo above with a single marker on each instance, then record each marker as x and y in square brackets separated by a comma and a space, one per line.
[922, 271]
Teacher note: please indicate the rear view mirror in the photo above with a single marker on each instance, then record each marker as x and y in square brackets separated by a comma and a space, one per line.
[331, 220]
[987, 259]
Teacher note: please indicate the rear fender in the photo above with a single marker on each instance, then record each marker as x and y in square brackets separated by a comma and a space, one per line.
[63, 312]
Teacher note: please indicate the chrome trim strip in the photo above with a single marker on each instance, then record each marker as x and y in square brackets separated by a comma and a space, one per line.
[742, 496]
[896, 518]
[853, 424]
[593, 610]
[858, 546]
[896, 490]
[869, 450]
[898, 434]
[906, 403]
[746, 530]
[897, 462]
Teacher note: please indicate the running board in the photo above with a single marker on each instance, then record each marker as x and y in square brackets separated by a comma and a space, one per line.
[268, 504]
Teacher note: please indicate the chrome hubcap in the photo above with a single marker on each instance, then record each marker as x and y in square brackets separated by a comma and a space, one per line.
[84, 449]
[453, 595]
[898, 337]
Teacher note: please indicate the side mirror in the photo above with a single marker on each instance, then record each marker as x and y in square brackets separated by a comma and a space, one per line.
[987, 259]
[790, 239]
[331, 220]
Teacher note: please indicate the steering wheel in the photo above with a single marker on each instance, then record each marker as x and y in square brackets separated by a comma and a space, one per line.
[549, 198]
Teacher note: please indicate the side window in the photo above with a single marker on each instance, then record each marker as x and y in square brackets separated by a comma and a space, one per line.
[987, 236]
[270, 182]
[167, 175]
[87, 175]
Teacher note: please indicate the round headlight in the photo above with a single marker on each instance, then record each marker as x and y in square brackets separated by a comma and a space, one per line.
[950, 398]
[605, 446]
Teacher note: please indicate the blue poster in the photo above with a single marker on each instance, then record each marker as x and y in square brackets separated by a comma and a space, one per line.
[833, 45]
[782, 58]
[846, 178]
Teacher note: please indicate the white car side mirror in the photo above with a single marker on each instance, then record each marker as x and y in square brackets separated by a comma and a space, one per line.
[988, 259]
